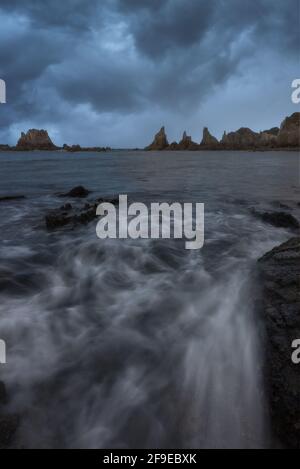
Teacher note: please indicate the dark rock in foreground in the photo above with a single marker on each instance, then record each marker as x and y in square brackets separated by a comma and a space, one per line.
[74, 216]
[77, 192]
[35, 140]
[9, 198]
[9, 423]
[280, 271]
[278, 219]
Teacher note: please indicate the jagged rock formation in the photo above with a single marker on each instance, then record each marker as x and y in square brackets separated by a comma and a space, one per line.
[186, 143]
[75, 215]
[280, 270]
[160, 141]
[243, 138]
[289, 133]
[35, 140]
[288, 136]
[208, 140]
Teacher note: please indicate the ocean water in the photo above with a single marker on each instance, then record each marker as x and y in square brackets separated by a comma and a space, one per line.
[139, 344]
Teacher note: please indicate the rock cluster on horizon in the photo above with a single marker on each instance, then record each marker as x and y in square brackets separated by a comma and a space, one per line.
[287, 136]
[35, 140]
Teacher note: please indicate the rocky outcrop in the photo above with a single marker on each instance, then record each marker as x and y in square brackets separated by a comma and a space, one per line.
[5, 147]
[280, 271]
[208, 140]
[74, 215]
[289, 133]
[242, 139]
[9, 423]
[77, 148]
[278, 219]
[288, 136]
[186, 143]
[35, 140]
[160, 141]
[11, 198]
[77, 192]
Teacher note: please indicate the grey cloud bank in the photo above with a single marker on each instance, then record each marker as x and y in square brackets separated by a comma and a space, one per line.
[111, 72]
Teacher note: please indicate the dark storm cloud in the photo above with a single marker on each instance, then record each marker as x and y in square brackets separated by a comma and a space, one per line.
[143, 57]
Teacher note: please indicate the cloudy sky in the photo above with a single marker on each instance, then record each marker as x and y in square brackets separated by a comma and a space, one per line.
[111, 72]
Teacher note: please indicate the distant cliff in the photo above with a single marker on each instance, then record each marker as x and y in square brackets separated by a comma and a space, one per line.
[287, 136]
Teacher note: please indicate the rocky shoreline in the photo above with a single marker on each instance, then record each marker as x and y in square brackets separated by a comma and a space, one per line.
[280, 274]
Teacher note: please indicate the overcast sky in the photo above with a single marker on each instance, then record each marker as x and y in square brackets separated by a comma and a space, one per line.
[112, 72]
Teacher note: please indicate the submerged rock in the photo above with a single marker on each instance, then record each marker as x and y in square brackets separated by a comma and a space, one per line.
[280, 271]
[278, 219]
[35, 140]
[77, 192]
[160, 141]
[9, 198]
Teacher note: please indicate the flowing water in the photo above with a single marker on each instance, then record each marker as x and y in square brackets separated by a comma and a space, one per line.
[129, 344]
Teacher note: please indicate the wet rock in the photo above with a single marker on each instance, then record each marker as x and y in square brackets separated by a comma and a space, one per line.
[280, 272]
[57, 218]
[77, 192]
[9, 423]
[278, 219]
[35, 140]
[72, 216]
[10, 198]
[160, 141]
[8, 427]
[3, 393]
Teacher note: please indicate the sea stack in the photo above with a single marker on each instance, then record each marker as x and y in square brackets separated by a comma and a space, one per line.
[35, 140]
[160, 141]
[209, 140]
